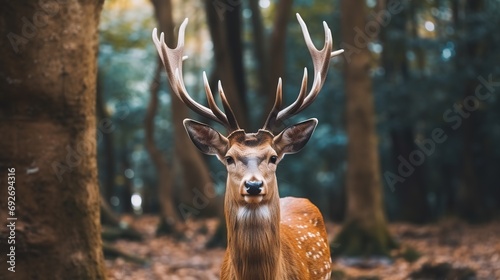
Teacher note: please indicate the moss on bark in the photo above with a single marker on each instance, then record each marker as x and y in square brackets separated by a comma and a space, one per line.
[355, 240]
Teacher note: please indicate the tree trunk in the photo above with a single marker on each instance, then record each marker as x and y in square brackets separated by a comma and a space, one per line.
[471, 205]
[108, 186]
[412, 193]
[233, 26]
[277, 50]
[270, 51]
[169, 219]
[261, 54]
[365, 230]
[188, 160]
[224, 65]
[47, 118]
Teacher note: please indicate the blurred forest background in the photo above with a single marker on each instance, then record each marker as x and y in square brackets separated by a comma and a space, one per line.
[426, 62]
[427, 125]
[437, 132]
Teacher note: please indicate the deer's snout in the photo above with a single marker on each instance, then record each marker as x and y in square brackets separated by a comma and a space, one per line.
[253, 187]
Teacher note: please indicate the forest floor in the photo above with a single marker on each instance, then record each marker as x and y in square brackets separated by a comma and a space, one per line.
[448, 249]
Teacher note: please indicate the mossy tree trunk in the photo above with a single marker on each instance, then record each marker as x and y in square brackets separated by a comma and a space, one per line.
[365, 230]
[47, 118]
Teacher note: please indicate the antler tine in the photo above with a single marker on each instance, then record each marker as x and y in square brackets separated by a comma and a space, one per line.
[211, 100]
[227, 108]
[172, 61]
[271, 118]
[336, 53]
[321, 59]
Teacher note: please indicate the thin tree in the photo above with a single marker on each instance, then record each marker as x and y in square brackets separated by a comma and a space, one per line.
[169, 218]
[270, 51]
[47, 117]
[365, 229]
[225, 30]
[187, 160]
[108, 183]
[471, 203]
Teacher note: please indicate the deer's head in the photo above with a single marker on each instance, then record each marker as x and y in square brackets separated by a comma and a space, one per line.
[250, 158]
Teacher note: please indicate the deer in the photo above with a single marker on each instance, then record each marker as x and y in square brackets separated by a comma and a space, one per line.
[268, 237]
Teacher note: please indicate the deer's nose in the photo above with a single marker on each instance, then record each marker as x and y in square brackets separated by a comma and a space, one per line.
[253, 187]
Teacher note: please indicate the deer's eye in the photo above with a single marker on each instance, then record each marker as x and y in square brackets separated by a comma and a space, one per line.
[273, 159]
[229, 160]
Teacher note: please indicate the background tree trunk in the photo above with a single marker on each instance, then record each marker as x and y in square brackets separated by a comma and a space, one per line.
[108, 183]
[412, 193]
[365, 229]
[260, 47]
[471, 205]
[47, 118]
[224, 39]
[277, 51]
[270, 52]
[169, 219]
[187, 159]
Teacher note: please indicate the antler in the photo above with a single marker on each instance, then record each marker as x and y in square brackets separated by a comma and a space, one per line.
[172, 61]
[321, 60]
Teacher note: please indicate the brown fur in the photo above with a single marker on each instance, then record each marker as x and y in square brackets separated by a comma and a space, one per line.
[285, 246]
[270, 250]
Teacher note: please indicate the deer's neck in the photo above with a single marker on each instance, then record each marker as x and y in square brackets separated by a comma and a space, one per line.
[254, 240]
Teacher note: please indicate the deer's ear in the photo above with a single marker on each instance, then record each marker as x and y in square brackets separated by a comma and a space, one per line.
[206, 139]
[293, 138]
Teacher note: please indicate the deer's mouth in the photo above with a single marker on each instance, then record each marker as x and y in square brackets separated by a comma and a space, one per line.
[257, 198]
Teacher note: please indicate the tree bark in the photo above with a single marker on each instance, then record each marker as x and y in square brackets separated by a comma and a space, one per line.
[47, 118]
[277, 51]
[233, 27]
[187, 159]
[224, 57]
[365, 230]
[260, 48]
[169, 219]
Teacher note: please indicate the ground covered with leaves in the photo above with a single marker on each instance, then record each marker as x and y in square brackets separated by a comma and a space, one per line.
[448, 249]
